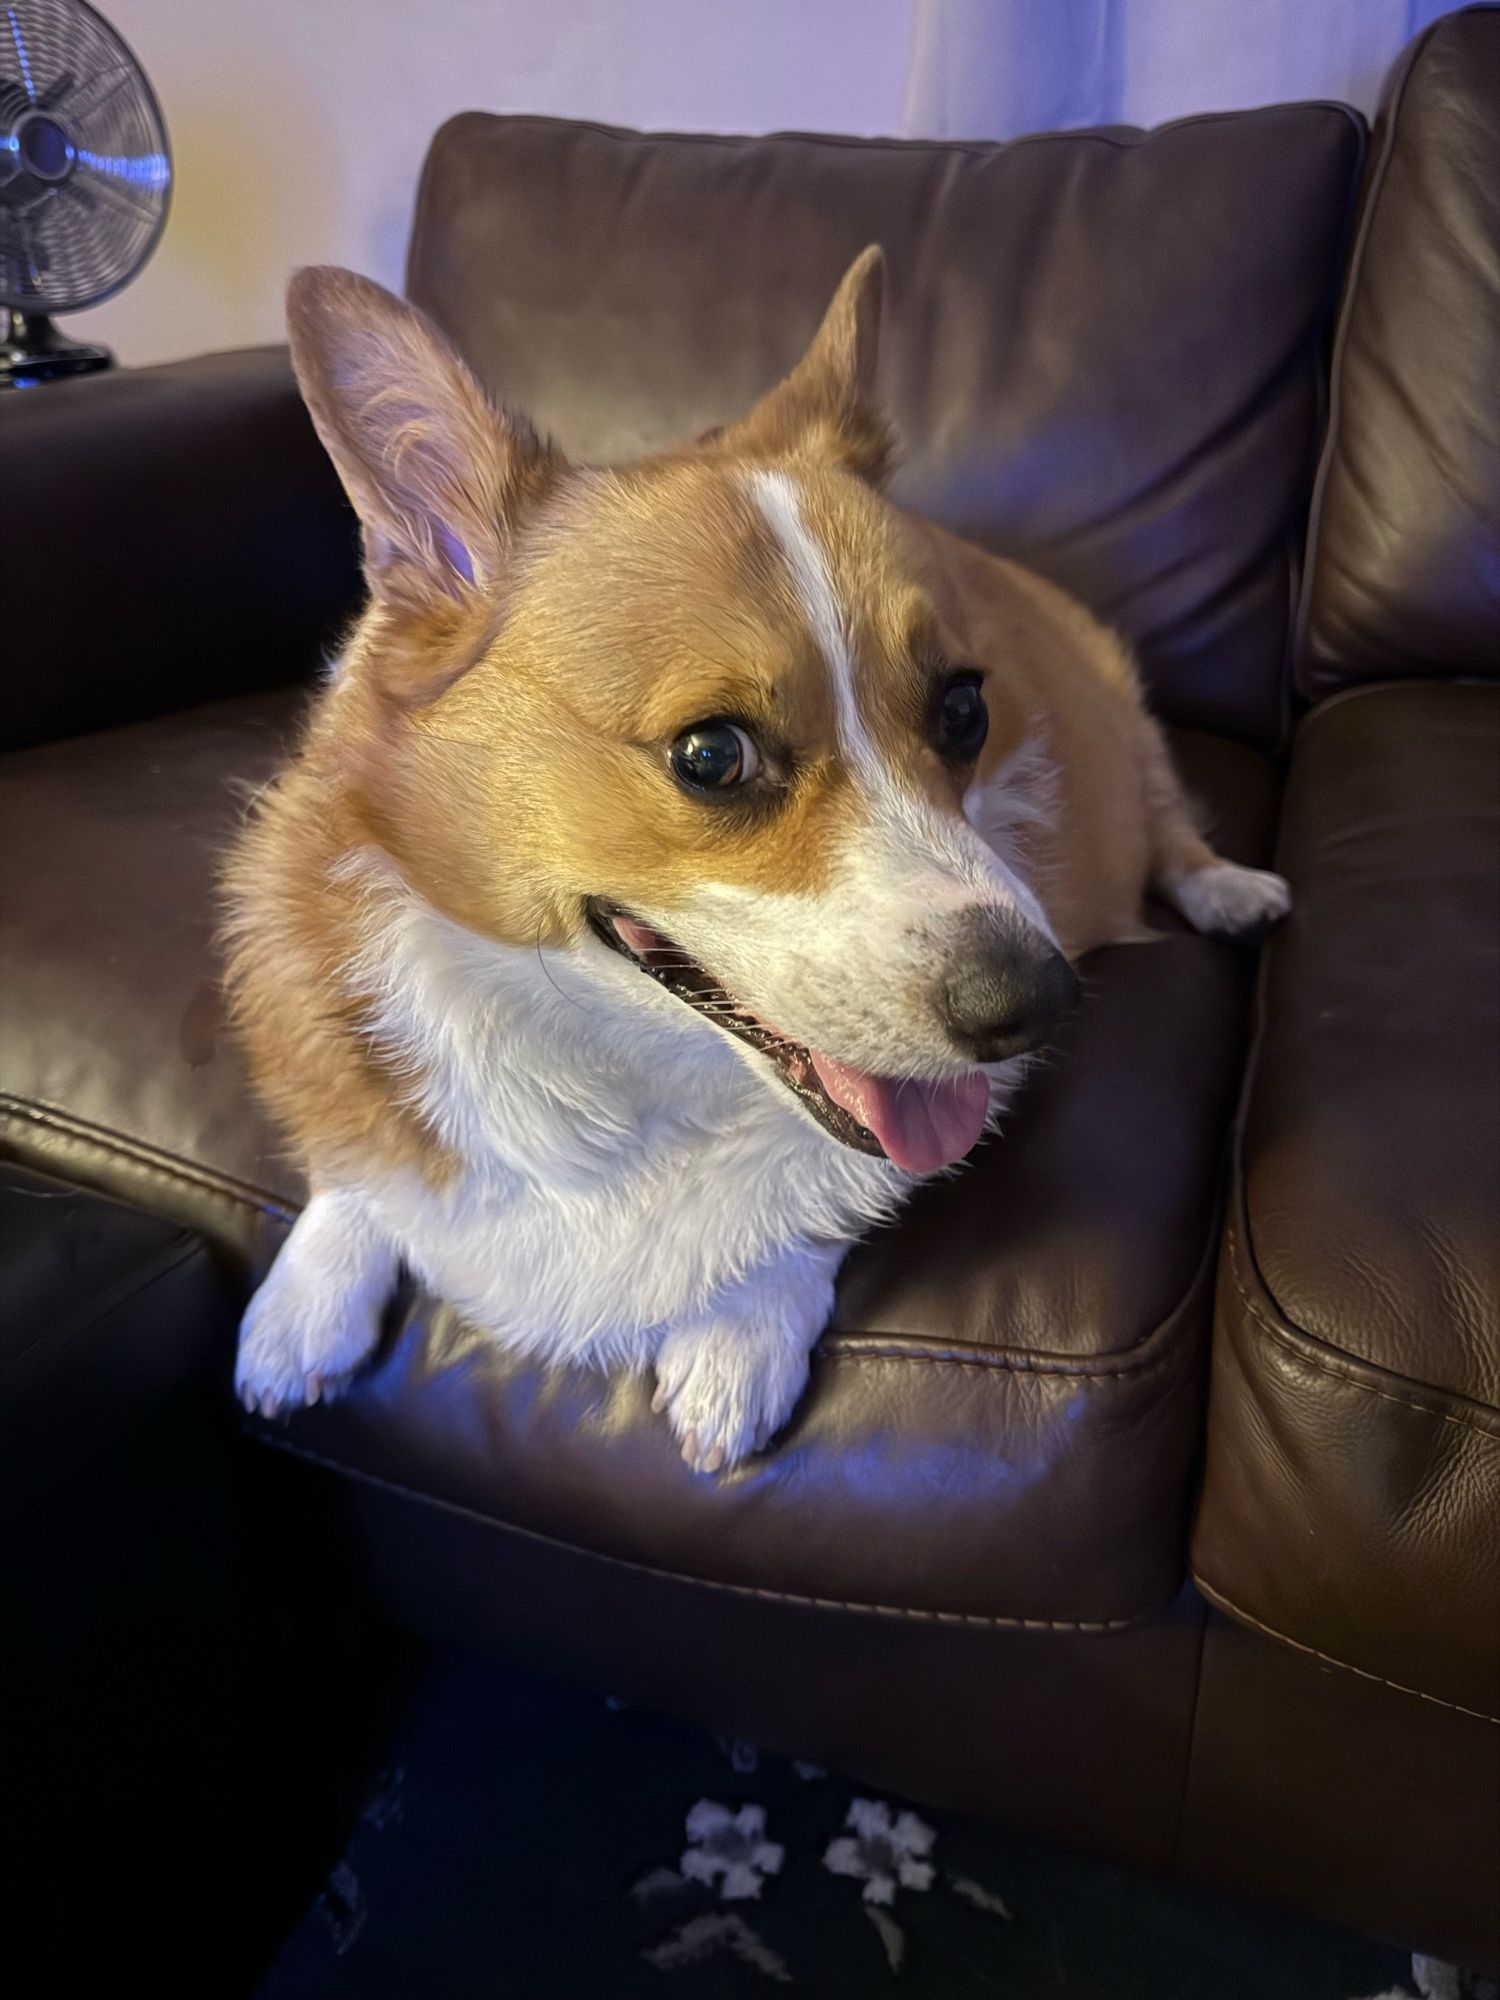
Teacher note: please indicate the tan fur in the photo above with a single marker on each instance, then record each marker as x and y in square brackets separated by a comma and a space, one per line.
[1120, 823]
[538, 635]
[826, 407]
[294, 928]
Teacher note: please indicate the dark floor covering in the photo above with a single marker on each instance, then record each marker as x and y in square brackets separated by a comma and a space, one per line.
[501, 1855]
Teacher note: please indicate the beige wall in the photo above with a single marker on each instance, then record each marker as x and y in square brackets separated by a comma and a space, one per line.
[298, 126]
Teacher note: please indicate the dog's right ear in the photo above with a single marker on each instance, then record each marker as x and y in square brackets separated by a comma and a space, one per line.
[828, 404]
[438, 476]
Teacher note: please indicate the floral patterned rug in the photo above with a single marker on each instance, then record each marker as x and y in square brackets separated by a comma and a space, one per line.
[530, 1842]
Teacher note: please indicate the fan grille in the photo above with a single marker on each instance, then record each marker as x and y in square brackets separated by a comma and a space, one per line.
[84, 167]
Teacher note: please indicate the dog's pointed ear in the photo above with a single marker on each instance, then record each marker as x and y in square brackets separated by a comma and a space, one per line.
[438, 476]
[827, 405]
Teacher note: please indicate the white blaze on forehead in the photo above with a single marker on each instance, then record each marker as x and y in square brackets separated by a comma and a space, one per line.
[775, 493]
[909, 861]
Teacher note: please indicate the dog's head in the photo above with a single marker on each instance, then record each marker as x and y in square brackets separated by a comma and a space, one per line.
[713, 712]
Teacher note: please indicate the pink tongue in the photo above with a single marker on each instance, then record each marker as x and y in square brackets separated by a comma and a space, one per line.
[640, 937]
[922, 1126]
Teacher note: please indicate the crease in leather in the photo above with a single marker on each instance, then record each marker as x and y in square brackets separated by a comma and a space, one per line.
[1133, 1359]
[985, 1621]
[1300, 546]
[54, 1338]
[1175, 1848]
[1398, 683]
[1236, 423]
[1281, 535]
[846, 1346]
[1305, 1346]
[1238, 1612]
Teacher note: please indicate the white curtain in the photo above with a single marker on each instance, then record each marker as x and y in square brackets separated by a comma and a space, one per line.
[992, 69]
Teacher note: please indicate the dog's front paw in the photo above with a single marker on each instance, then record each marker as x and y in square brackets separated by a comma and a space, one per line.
[1225, 900]
[727, 1390]
[299, 1342]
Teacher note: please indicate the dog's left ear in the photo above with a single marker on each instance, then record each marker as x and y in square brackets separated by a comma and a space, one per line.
[827, 405]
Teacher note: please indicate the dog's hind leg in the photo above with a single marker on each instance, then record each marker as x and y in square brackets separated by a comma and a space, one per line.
[317, 1316]
[1218, 897]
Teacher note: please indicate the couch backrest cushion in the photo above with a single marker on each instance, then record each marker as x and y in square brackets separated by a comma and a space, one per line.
[1404, 563]
[1103, 351]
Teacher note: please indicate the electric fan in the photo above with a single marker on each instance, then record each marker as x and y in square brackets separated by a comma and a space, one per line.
[84, 179]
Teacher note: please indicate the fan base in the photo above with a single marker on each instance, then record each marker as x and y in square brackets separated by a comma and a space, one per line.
[32, 350]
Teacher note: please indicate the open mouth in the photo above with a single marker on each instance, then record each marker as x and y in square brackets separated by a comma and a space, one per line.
[917, 1124]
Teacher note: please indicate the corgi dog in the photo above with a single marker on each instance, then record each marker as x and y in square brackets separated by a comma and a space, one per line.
[678, 865]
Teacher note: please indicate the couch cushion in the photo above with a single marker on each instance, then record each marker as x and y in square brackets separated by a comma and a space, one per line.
[1352, 1500]
[1104, 350]
[1404, 572]
[1003, 1421]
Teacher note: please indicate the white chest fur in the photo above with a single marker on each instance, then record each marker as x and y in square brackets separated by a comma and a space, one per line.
[622, 1163]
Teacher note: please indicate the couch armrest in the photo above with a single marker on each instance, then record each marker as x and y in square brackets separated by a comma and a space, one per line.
[1351, 1486]
[167, 536]
[115, 1324]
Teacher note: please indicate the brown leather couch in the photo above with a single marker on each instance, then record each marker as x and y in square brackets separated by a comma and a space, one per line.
[1166, 1533]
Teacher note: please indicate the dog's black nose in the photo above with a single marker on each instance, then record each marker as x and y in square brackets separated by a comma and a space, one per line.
[1005, 988]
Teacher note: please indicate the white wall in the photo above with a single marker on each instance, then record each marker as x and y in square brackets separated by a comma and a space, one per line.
[298, 126]
[993, 69]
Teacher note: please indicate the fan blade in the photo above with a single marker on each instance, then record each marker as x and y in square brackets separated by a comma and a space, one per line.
[97, 186]
[21, 56]
[94, 94]
[56, 91]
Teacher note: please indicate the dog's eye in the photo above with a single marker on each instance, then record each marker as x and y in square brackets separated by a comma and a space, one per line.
[962, 721]
[714, 757]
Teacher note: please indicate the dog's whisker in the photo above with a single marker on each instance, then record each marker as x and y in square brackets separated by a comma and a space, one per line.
[740, 653]
[541, 959]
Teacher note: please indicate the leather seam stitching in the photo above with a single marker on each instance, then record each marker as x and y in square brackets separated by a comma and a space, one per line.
[1157, 1338]
[807, 1600]
[1237, 1611]
[1291, 1345]
[1004, 1365]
